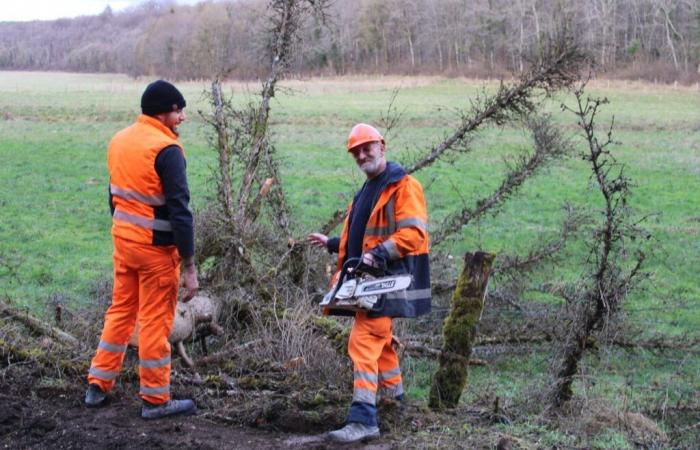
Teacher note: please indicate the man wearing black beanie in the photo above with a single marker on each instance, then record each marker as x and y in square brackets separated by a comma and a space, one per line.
[153, 236]
[161, 97]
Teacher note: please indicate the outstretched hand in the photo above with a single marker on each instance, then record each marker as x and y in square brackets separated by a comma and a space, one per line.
[317, 240]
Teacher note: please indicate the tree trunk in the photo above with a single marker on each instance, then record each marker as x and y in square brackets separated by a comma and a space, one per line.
[385, 46]
[457, 55]
[521, 42]
[225, 185]
[536, 17]
[669, 39]
[460, 330]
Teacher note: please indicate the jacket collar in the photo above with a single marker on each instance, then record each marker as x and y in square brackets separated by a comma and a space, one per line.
[152, 121]
[396, 172]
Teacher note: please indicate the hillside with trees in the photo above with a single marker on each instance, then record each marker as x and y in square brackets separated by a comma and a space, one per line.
[646, 39]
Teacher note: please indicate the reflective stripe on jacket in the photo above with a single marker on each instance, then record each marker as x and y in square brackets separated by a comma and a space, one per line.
[135, 186]
[398, 224]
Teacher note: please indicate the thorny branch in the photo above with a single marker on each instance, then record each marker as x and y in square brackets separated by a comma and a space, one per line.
[614, 272]
[544, 251]
[535, 257]
[392, 117]
[548, 145]
[248, 172]
[220, 124]
[557, 67]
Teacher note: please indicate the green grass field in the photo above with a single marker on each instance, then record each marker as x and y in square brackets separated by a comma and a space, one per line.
[54, 127]
[55, 223]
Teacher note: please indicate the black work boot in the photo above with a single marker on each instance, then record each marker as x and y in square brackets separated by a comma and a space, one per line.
[95, 397]
[169, 408]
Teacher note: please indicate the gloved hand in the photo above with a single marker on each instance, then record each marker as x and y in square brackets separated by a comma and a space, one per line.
[370, 260]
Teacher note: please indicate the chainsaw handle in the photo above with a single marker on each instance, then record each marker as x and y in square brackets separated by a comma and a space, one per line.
[355, 265]
[375, 271]
[344, 271]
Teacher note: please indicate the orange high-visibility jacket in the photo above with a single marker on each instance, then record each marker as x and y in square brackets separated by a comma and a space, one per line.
[398, 223]
[134, 184]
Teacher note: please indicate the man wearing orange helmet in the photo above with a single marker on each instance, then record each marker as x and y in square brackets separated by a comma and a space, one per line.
[386, 226]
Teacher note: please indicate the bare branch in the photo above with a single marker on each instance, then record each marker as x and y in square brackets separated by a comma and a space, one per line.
[549, 145]
[542, 252]
[557, 67]
[224, 149]
[608, 283]
[37, 325]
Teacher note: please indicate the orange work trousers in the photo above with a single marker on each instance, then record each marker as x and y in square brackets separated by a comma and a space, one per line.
[375, 362]
[146, 281]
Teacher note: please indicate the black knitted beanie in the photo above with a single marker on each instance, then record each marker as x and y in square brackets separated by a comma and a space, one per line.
[161, 97]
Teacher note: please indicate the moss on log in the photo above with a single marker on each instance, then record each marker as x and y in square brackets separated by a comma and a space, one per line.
[460, 329]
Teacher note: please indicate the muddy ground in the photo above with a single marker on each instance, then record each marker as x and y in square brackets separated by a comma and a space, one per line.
[41, 407]
[49, 413]
[59, 420]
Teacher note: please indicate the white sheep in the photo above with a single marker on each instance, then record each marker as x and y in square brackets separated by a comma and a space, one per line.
[201, 309]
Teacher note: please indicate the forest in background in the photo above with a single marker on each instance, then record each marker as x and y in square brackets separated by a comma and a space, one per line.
[656, 40]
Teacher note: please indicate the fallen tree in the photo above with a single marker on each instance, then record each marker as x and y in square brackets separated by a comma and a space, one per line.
[36, 325]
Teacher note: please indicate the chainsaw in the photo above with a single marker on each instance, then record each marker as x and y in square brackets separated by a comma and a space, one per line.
[360, 286]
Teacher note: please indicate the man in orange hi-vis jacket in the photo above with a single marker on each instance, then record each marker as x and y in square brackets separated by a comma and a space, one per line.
[386, 225]
[153, 234]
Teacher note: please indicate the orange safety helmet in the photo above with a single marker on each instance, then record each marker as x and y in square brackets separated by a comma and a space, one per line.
[362, 133]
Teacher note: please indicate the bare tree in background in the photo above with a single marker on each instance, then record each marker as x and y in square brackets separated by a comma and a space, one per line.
[650, 39]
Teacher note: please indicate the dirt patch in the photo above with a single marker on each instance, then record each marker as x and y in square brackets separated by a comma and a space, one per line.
[49, 413]
[64, 423]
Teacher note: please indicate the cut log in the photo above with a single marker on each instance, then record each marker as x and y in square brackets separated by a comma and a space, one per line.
[460, 329]
[37, 325]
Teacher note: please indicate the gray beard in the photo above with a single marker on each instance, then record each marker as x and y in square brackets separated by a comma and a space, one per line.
[370, 169]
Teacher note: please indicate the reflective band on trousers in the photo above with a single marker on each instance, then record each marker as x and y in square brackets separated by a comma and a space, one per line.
[365, 376]
[393, 391]
[154, 363]
[389, 230]
[364, 396]
[128, 194]
[114, 348]
[103, 374]
[390, 373]
[155, 390]
[143, 222]
[410, 294]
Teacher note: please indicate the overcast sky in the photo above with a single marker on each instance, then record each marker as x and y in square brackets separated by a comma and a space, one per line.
[23, 10]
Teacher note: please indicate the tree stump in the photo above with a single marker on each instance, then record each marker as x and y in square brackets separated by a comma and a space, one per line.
[460, 330]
